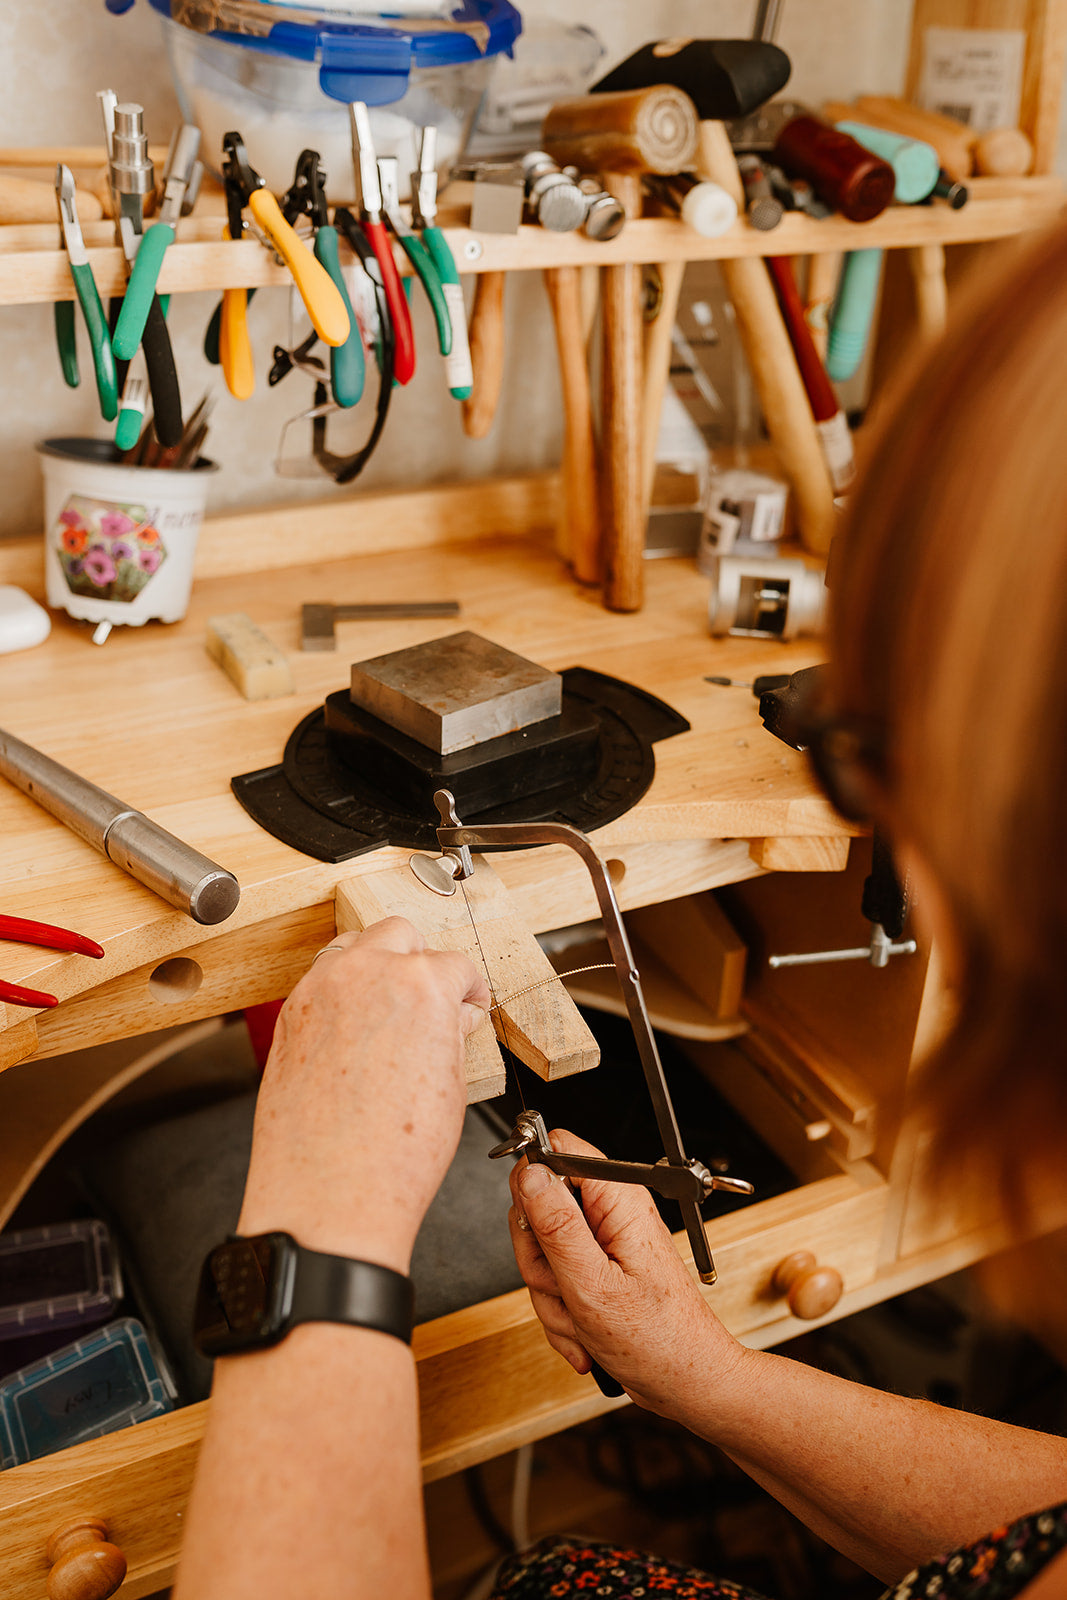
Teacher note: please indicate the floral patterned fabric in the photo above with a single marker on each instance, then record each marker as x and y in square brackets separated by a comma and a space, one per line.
[997, 1567]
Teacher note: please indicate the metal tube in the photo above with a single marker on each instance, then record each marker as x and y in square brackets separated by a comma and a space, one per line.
[163, 863]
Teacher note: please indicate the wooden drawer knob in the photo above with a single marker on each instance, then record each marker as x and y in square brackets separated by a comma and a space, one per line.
[85, 1566]
[810, 1290]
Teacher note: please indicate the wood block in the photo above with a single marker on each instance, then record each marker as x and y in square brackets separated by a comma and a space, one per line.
[248, 658]
[694, 938]
[792, 854]
[455, 692]
[533, 1016]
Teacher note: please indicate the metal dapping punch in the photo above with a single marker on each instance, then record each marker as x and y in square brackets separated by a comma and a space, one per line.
[163, 863]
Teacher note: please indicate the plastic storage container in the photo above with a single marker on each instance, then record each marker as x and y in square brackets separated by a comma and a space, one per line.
[286, 88]
[103, 1382]
[61, 1276]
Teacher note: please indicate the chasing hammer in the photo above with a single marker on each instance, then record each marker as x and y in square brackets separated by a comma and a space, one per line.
[163, 863]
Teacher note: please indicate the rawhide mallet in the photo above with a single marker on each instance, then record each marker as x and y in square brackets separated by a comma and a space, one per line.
[622, 136]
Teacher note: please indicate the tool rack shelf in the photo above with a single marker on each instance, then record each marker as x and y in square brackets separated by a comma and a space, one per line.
[33, 270]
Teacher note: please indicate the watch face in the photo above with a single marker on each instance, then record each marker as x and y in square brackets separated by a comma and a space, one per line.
[244, 1294]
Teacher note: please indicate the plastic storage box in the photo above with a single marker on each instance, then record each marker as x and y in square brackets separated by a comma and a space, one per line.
[62, 1276]
[286, 86]
[103, 1382]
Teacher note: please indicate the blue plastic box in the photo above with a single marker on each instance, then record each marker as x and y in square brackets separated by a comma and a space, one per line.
[65, 1275]
[101, 1383]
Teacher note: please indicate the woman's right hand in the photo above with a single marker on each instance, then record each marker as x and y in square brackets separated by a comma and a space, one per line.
[611, 1286]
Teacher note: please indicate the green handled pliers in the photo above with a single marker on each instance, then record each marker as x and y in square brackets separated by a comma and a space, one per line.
[181, 181]
[419, 254]
[424, 216]
[89, 299]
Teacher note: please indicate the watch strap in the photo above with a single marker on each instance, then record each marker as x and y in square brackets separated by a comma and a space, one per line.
[364, 1293]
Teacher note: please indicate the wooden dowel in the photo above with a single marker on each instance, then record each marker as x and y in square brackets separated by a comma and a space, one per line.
[927, 263]
[580, 528]
[657, 362]
[786, 411]
[622, 477]
[486, 332]
[824, 270]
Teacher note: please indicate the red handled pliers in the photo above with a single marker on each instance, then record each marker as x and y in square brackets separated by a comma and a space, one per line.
[21, 931]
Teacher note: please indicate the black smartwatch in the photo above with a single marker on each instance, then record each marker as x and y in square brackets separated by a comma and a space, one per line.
[253, 1290]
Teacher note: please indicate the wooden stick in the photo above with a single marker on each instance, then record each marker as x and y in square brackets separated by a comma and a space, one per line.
[486, 332]
[824, 270]
[774, 370]
[927, 263]
[622, 483]
[657, 359]
[580, 543]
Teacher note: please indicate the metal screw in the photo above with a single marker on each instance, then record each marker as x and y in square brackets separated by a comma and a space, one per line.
[472, 250]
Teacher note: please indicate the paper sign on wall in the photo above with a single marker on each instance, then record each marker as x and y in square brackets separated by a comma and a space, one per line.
[973, 74]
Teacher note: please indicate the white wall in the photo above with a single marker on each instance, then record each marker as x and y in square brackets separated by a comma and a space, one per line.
[55, 55]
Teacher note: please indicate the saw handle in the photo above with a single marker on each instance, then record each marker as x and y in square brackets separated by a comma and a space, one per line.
[609, 1386]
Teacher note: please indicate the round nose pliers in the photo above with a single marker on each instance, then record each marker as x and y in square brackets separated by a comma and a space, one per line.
[89, 299]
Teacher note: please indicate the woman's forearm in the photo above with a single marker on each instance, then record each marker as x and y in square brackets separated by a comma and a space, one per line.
[887, 1480]
[308, 1481]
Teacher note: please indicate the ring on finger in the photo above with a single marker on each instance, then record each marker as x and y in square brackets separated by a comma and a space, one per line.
[324, 949]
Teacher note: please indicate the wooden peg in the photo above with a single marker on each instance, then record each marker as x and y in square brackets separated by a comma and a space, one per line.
[84, 1564]
[927, 262]
[536, 1019]
[486, 336]
[621, 419]
[811, 1291]
[580, 544]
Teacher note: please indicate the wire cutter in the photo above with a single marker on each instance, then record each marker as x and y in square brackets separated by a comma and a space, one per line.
[424, 215]
[370, 209]
[21, 931]
[327, 308]
[89, 299]
[413, 247]
[181, 178]
[307, 197]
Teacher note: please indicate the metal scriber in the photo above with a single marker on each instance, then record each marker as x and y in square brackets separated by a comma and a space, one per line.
[690, 1181]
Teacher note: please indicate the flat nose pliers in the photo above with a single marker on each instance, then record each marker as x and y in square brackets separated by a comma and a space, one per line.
[90, 302]
[325, 305]
[424, 215]
[19, 930]
[370, 211]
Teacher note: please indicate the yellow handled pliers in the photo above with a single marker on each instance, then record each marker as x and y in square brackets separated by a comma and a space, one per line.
[321, 296]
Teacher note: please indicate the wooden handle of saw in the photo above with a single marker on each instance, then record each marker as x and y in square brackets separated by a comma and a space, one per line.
[486, 336]
[765, 341]
[581, 512]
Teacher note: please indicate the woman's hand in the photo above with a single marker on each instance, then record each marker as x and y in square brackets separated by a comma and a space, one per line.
[363, 1095]
[611, 1285]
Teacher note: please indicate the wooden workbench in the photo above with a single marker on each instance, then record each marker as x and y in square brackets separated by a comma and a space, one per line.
[149, 717]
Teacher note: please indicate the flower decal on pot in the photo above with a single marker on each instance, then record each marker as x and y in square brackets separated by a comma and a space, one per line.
[107, 551]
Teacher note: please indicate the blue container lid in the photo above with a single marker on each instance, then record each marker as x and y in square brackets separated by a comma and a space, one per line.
[372, 63]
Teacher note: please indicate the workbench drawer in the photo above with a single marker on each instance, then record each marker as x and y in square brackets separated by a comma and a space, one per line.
[488, 1380]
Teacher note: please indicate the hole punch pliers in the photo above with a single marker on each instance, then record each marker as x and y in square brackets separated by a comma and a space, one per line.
[89, 299]
[307, 197]
[181, 181]
[19, 930]
[327, 308]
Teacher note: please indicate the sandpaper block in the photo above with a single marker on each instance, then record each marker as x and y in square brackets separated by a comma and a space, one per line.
[249, 659]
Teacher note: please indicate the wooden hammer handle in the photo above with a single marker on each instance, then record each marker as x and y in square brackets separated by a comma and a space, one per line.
[774, 369]
[581, 516]
[622, 500]
[486, 333]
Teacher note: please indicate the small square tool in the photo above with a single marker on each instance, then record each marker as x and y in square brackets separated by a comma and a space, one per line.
[453, 693]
